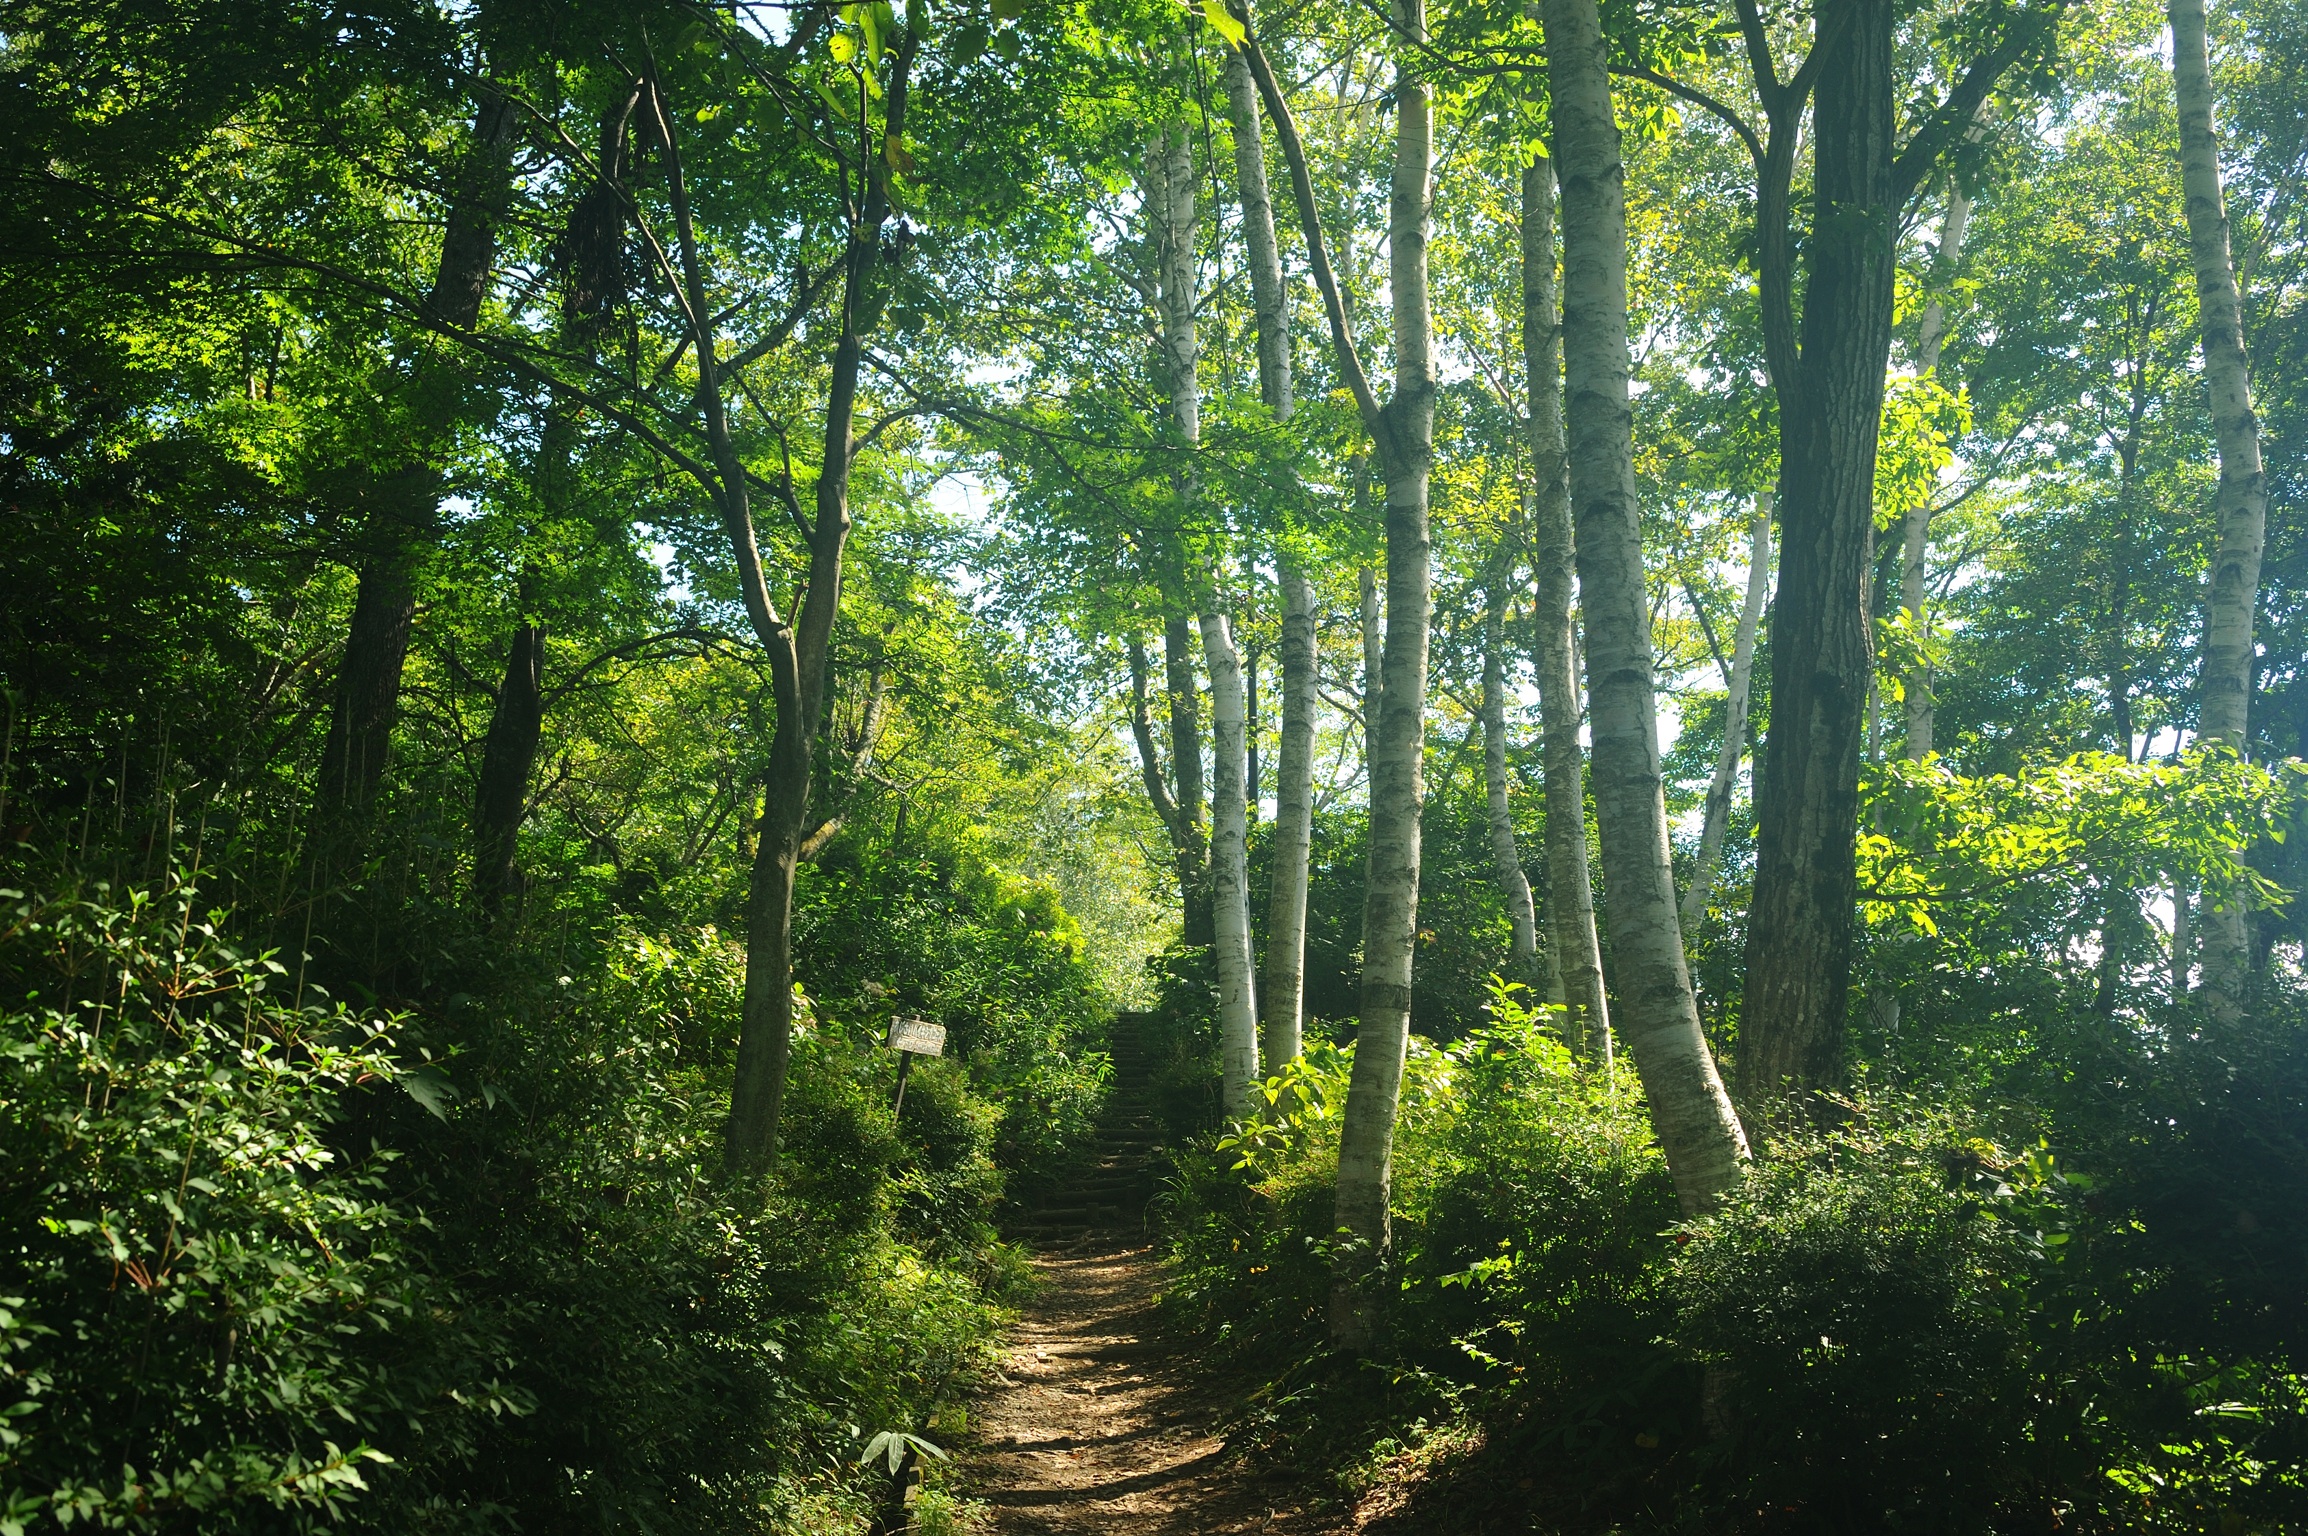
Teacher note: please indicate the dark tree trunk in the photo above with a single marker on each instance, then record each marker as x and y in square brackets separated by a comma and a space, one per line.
[401, 508]
[507, 759]
[800, 654]
[1822, 659]
[368, 694]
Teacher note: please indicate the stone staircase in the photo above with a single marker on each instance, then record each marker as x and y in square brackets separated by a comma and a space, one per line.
[1104, 1201]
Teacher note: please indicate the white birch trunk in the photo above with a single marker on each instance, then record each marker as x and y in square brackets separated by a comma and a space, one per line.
[1397, 788]
[1283, 987]
[2243, 501]
[1229, 865]
[1734, 713]
[1576, 953]
[1373, 657]
[1170, 185]
[1284, 998]
[1506, 857]
[1403, 431]
[1657, 1013]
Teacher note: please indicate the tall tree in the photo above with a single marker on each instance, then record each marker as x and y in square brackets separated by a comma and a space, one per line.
[1657, 1011]
[591, 261]
[1739, 685]
[398, 509]
[1282, 989]
[1506, 857]
[2243, 500]
[799, 649]
[1578, 955]
[1402, 431]
[1175, 225]
[1830, 383]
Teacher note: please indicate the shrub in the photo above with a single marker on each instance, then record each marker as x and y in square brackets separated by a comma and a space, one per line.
[1865, 1311]
[198, 1271]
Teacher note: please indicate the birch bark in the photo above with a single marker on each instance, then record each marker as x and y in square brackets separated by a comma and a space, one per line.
[2243, 500]
[1734, 713]
[1403, 431]
[1578, 956]
[1691, 1112]
[1283, 986]
[1506, 857]
[1172, 208]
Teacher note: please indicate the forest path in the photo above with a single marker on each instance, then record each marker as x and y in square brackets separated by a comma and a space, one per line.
[1094, 1424]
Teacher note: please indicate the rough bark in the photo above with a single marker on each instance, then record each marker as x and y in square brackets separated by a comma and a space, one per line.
[1571, 938]
[1822, 657]
[1657, 1012]
[1283, 984]
[2243, 500]
[368, 692]
[1829, 379]
[1915, 531]
[1741, 683]
[1506, 856]
[508, 757]
[799, 652]
[399, 510]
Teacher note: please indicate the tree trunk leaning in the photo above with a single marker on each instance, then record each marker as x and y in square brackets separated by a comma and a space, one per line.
[1657, 1013]
[1571, 937]
[1741, 683]
[2224, 715]
[508, 757]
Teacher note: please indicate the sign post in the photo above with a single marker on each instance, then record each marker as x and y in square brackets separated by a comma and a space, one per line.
[911, 1038]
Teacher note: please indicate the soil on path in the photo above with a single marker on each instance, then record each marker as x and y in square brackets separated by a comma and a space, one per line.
[1095, 1425]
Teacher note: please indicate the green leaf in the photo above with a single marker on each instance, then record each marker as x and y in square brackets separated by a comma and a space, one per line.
[1222, 21]
[429, 1088]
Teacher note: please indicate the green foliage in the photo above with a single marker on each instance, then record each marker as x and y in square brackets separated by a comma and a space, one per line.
[1915, 1317]
[203, 1268]
[1868, 1317]
[2091, 820]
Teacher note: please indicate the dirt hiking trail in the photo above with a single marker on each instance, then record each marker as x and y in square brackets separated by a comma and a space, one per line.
[1095, 1425]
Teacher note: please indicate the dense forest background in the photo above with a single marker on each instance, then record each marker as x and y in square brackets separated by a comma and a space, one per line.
[563, 565]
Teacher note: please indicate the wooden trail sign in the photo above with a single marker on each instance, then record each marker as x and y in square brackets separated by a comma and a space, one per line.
[911, 1038]
[917, 1037]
